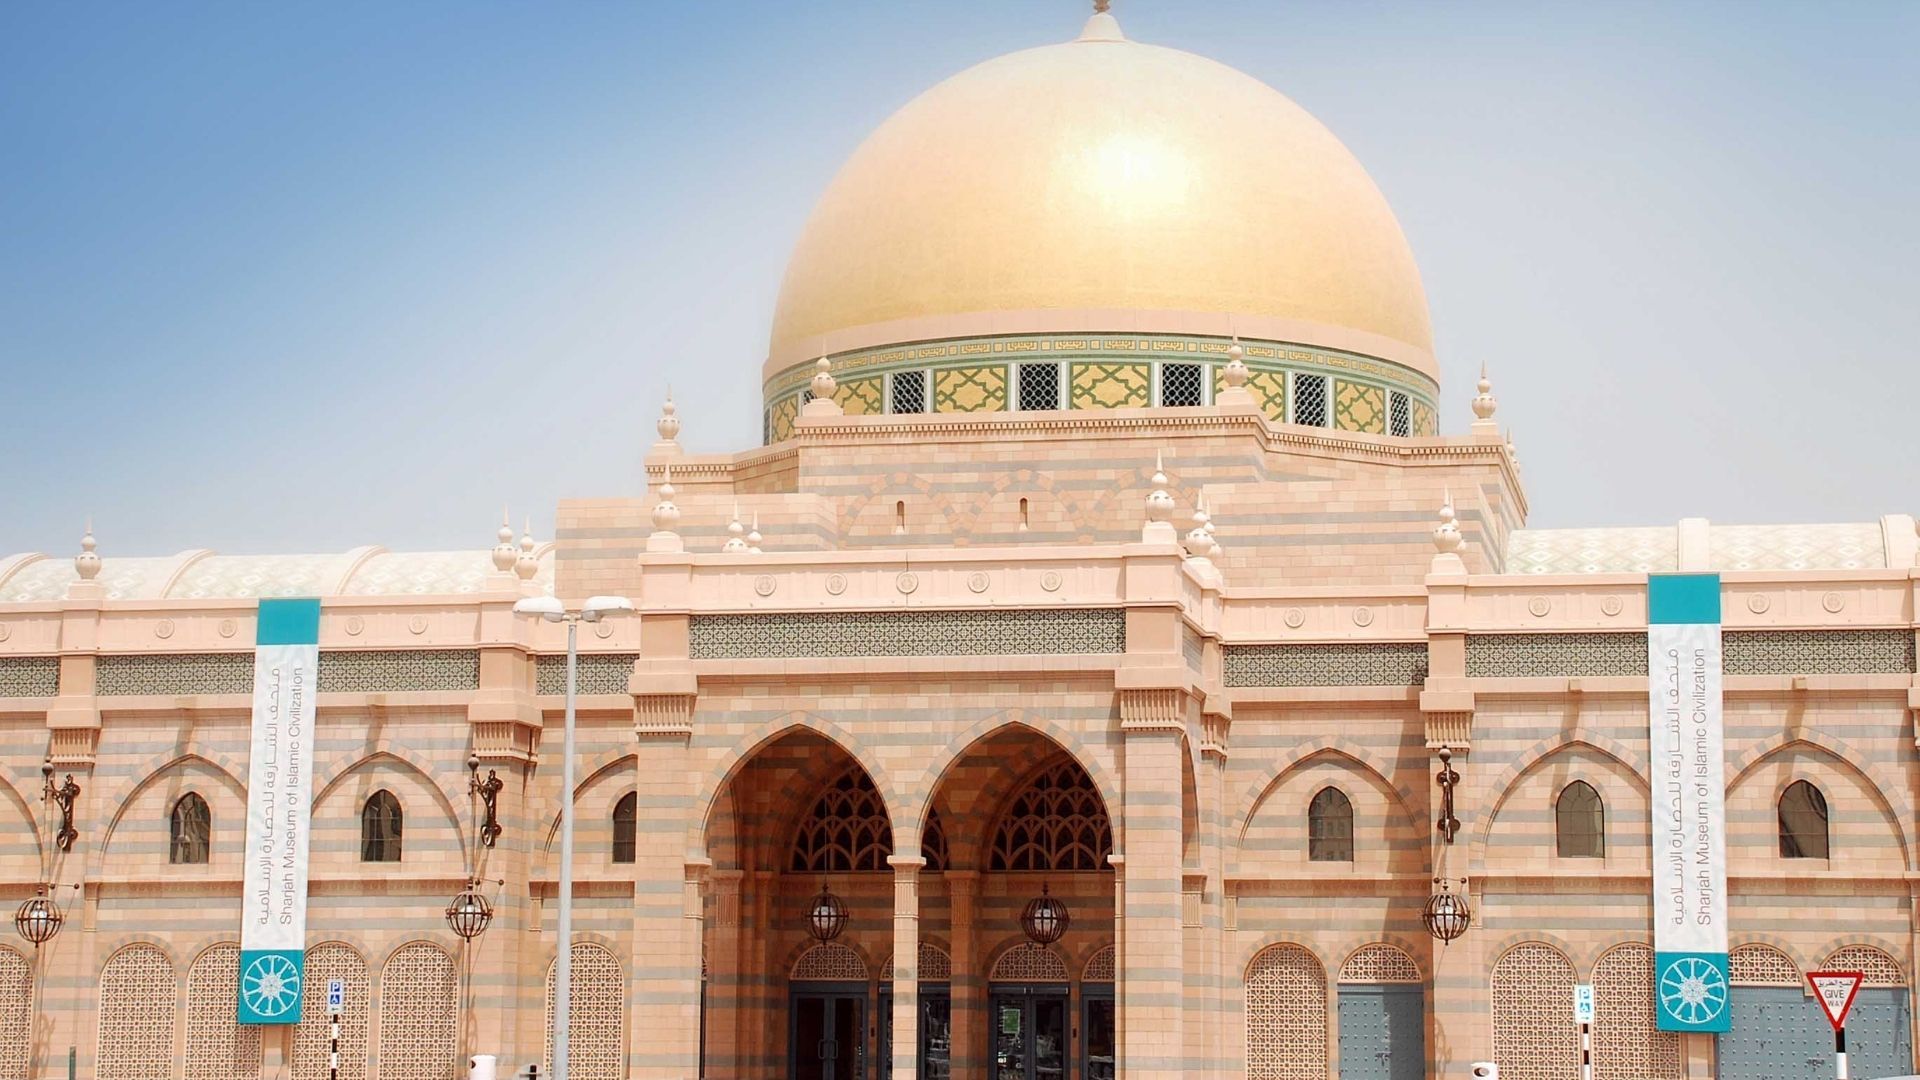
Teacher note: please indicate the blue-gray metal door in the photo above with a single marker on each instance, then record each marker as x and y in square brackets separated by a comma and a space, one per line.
[1383, 1032]
[1779, 1033]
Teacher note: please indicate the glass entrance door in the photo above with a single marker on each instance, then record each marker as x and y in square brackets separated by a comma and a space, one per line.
[935, 1034]
[824, 1034]
[1028, 1040]
[1096, 1032]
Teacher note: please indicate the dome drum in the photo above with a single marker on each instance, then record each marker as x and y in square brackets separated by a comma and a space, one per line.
[1291, 383]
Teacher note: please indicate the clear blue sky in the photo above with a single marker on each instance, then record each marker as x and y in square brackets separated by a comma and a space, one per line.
[391, 256]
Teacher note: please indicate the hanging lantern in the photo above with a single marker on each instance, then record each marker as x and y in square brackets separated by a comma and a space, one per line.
[1045, 919]
[826, 915]
[1447, 914]
[38, 919]
[469, 915]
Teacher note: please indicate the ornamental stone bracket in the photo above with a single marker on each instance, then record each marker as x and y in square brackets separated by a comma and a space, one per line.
[664, 694]
[73, 747]
[1913, 706]
[1159, 708]
[506, 727]
[1449, 717]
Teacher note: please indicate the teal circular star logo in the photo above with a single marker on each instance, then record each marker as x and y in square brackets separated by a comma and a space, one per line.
[1693, 991]
[270, 986]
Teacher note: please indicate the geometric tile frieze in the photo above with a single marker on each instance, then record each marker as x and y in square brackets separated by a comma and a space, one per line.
[1375, 663]
[29, 676]
[596, 673]
[1555, 656]
[375, 671]
[907, 633]
[1818, 652]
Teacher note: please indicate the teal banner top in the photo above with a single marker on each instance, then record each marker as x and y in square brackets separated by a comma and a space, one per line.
[1683, 598]
[289, 622]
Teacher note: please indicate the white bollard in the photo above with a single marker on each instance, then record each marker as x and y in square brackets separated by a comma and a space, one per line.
[483, 1067]
[1485, 1070]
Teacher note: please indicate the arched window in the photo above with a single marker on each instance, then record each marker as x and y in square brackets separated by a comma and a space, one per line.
[1803, 822]
[380, 828]
[1057, 823]
[933, 842]
[847, 829]
[1580, 820]
[626, 823]
[1330, 827]
[190, 833]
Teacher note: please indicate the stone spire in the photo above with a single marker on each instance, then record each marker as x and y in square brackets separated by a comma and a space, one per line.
[1235, 376]
[1159, 527]
[669, 428]
[1513, 453]
[1484, 406]
[525, 567]
[666, 516]
[503, 553]
[824, 387]
[87, 564]
[736, 535]
[753, 535]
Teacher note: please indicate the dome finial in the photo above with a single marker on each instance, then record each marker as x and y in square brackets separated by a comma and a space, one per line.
[1102, 26]
[1484, 407]
[1100, 6]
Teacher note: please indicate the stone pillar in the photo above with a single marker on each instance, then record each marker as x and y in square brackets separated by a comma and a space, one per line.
[663, 993]
[906, 964]
[968, 983]
[1152, 974]
[721, 962]
[1219, 984]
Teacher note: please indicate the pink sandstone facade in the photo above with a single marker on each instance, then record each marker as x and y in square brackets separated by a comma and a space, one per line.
[1162, 604]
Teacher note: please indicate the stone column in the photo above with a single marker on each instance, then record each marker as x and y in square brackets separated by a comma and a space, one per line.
[1213, 771]
[1152, 973]
[663, 992]
[967, 985]
[723, 982]
[906, 964]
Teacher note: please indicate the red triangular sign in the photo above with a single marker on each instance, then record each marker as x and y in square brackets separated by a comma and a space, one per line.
[1835, 991]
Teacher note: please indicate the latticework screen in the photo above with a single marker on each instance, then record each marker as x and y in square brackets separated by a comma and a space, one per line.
[596, 1035]
[1180, 384]
[1762, 965]
[326, 962]
[1029, 964]
[218, 1046]
[1626, 1043]
[1879, 968]
[1379, 963]
[1039, 386]
[1533, 1033]
[1286, 1015]
[935, 965]
[16, 1014]
[1057, 823]
[1099, 967]
[1399, 415]
[829, 963]
[909, 391]
[138, 997]
[846, 830]
[419, 1011]
[1310, 400]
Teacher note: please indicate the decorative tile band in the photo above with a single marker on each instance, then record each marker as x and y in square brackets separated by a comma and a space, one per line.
[1819, 652]
[598, 673]
[907, 633]
[1106, 371]
[387, 671]
[29, 676]
[1551, 656]
[1381, 663]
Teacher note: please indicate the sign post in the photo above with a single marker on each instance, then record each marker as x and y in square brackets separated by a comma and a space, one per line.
[1836, 991]
[1583, 1015]
[1688, 766]
[336, 1004]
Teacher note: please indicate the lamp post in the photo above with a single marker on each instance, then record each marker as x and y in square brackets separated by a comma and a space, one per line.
[40, 918]
[469, 914]
[552, 610]
[1447, 914]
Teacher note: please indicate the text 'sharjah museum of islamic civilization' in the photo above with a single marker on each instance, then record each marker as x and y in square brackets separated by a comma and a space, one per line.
[1113, 663]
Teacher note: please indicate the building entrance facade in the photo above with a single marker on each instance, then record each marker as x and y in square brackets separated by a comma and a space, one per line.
[828, 1029]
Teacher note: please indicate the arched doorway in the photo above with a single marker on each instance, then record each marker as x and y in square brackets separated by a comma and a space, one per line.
[1022, 817]
[799, 816]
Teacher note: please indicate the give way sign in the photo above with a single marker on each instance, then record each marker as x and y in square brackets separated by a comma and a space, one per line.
[1835, 990]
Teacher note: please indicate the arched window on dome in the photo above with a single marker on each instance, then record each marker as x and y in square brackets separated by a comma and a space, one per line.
[380, 828]
[1580, 822]
[1803, 822]
[626, 827]
[1330, 826]
[847, 830]
[190, 832]
[1057, 822]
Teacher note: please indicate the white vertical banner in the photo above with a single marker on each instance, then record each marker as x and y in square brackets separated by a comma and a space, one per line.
[1687, 744]
[273, 926]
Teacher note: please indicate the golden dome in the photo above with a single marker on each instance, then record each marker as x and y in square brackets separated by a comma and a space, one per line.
[1102, 184]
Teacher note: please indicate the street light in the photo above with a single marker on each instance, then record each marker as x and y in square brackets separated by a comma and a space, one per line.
[1447, 914]
[551, 609]
[40, 918]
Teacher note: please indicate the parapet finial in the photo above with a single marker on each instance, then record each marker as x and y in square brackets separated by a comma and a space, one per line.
[753, 535]
[736, 534]
[526, 566]
[503, 553]
[1159, 527]
[1446, 535]
[669, 424]
[1483, 402]
[666, 515]
[87, 564]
